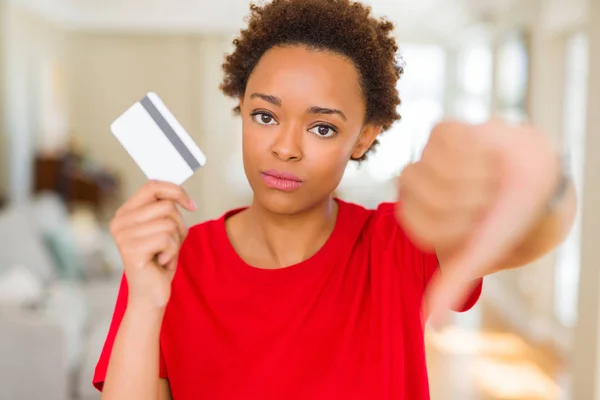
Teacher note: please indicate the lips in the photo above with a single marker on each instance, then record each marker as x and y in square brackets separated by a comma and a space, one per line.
[280, 180]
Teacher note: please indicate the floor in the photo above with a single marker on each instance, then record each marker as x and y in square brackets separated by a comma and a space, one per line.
[492, 363]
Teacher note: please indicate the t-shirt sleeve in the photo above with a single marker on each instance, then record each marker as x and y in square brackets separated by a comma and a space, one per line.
[119, 311]
[424, 264]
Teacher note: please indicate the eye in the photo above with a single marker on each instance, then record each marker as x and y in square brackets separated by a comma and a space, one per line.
[264, 118]
[324, 131]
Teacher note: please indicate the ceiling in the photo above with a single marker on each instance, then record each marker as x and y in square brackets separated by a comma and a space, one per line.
[412, 17]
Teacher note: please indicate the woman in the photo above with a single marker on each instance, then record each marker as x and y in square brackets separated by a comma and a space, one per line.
[300, 295]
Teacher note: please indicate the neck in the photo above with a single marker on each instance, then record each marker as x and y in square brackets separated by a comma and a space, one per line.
[284, 240]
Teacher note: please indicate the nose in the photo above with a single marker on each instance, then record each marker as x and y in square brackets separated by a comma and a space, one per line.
[288, 144]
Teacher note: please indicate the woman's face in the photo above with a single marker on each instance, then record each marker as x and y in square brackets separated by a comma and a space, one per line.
[303, 119]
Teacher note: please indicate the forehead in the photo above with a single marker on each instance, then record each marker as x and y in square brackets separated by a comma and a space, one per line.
[299, 74]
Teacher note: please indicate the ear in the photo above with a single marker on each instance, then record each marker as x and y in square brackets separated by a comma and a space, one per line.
[241, 102]
[366, 138]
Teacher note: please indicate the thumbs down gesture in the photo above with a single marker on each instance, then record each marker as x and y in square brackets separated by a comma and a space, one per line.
[484, 198]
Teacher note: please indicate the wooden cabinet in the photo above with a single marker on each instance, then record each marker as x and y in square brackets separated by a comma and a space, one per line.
[77, 181]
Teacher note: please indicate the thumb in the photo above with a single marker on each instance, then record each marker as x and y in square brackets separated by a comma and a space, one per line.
[485, 248]
[500, 229]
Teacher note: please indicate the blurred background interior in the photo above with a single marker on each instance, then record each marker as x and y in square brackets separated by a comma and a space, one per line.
[68, 68]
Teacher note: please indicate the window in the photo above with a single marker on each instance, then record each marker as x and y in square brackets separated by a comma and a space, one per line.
[512, 76]
[421, 91]
[475, 76]
[575, 115]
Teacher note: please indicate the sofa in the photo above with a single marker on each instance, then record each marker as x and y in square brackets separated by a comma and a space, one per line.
[59, 277]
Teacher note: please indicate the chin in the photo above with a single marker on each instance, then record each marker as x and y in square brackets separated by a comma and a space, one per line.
[289, 203]
[283, 203]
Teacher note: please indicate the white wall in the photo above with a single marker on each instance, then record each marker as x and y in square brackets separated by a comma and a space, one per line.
[586, 355]
[561, 15]
[3, 138]
[221, 184]
[527, 296]
[29, 43]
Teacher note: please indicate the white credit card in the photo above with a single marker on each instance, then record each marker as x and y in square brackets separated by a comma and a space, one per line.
[157, 142]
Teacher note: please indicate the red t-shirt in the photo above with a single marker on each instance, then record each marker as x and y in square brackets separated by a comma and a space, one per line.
[344, 324]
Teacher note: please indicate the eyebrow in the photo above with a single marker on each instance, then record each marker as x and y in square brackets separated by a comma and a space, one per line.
[276, 101]
[329, 111]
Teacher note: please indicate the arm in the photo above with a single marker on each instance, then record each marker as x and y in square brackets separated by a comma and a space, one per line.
[148, 230]
[133, 371]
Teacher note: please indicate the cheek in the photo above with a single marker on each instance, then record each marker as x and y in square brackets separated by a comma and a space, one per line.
[251, 143]
[328, 161]
[251, 152]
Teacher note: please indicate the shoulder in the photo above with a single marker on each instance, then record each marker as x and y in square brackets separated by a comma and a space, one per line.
[207, 235]
[353, 209]
[213, 226]
[381, 219]
[376, 226]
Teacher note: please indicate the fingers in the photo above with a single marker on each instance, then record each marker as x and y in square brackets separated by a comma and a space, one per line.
[458, 170]
[171, 265]
[441, 206]
[149, 230]
[457, 137]
[428, 232]
[163, 209]
[156, 190]
[157, 240]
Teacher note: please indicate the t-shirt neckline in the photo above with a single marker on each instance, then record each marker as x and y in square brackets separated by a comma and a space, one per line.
[317, 262]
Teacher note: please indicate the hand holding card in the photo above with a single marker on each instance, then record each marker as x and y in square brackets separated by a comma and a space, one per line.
[149, 228]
